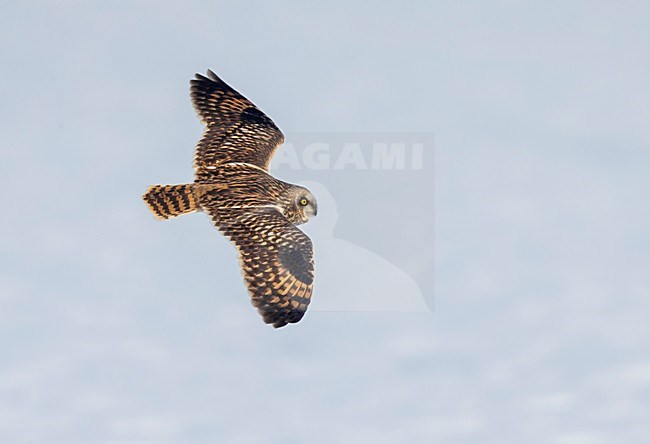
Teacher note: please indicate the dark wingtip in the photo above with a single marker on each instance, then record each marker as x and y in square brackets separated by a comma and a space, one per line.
[213, 76]
[278, 319]
[208, 76]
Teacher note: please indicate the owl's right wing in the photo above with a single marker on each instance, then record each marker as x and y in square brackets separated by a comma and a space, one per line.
[236, 130]
[276, 260]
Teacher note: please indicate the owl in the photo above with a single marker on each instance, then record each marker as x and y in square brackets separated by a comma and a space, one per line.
[258, 213]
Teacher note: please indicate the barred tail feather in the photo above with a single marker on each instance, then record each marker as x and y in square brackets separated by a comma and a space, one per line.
[167, 201]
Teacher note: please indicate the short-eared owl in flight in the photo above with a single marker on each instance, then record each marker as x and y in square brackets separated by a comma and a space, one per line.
[256, 211]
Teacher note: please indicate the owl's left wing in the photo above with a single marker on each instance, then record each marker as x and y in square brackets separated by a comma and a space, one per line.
[276, 260]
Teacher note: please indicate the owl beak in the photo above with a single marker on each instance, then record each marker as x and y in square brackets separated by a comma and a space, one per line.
[310, 211]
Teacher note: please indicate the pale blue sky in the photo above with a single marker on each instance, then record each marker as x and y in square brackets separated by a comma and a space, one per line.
[117, 329]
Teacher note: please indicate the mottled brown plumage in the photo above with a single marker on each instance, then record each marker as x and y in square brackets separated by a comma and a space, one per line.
[256, 211]
[236, 130]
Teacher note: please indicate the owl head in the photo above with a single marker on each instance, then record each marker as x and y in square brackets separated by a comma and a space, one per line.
[301, 205]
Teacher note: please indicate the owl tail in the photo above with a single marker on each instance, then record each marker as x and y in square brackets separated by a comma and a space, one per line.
[167, 201]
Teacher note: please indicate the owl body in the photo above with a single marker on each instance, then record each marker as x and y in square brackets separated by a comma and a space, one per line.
[244, 186]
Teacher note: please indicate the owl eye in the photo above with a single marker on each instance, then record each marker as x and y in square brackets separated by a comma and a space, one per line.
[304, 202]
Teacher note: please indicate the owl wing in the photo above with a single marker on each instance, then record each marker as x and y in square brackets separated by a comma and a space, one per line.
[236, 130]
[276, 260]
